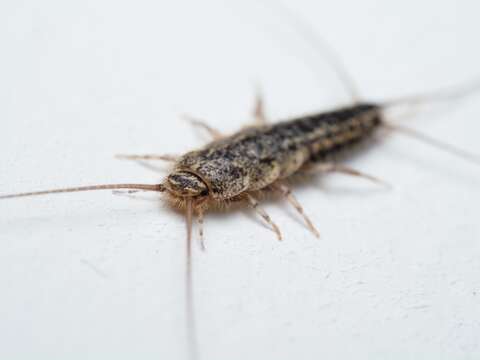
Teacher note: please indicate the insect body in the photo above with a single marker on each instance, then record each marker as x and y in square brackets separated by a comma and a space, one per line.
[232, 168]
[256, 157]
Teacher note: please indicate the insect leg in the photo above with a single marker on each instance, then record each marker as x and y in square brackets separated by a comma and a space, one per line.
[287, 192]
[259, 109]
[164, 157]
[333, 167]
[214, 133]
[254, 203]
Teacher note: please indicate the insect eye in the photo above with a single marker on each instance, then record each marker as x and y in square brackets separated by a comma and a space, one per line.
[183, 183]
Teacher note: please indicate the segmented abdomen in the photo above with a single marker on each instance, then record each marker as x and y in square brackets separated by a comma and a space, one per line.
[328, 133]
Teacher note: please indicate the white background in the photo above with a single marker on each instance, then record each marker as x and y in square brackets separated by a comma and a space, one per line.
[396, 274]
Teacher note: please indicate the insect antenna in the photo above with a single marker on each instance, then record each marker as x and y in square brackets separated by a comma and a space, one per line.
[189, 303]
[441, 145]
[145, 187]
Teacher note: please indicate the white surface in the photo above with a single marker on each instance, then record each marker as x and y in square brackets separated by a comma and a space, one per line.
[396, 273]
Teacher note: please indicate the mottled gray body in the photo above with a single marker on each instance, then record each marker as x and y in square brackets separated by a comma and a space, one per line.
[256, 157]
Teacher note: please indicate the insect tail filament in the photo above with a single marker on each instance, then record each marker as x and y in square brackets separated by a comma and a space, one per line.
[451, 149]
[448, 94]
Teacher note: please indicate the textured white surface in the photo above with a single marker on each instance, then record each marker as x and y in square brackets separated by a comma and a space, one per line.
[396, 273]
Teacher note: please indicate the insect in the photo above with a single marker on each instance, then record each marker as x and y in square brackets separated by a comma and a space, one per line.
[263, 157]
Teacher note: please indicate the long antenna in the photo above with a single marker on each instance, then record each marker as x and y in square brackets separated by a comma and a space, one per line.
[189, 303]
[321, 45]
[451, 149]
[156, 187]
